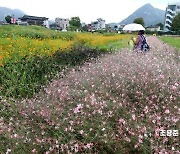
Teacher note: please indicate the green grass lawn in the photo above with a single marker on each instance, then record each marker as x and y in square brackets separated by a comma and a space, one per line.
[174, 41]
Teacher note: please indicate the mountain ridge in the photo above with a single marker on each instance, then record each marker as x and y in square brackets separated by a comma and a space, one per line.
[150, 14]
[4, 11]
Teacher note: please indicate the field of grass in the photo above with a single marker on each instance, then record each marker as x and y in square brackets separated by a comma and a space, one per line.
[173, 41]
[30, 55]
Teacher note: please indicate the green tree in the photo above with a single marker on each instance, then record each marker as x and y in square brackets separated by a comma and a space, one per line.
[8, 19]
[85, 28]
[176, 23]
[75, 23]
[139, 21]
[161, 25]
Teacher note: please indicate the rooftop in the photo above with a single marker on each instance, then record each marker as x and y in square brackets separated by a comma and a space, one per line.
[174, 3]
[33, 17]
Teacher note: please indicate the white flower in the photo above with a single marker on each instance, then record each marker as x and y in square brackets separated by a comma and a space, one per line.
[8, 151]
[103, 129]
[113, 75]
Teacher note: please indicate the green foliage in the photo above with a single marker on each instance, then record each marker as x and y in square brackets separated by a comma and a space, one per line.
[176, 23]
[85, 28]
[139, 21]
[8, 19]
[168, 33]
[161, 25]
[23, 76]
[75, 22]
[72, 28]
[151, 32]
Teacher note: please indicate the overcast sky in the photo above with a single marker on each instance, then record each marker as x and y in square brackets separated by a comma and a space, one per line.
[110, 10]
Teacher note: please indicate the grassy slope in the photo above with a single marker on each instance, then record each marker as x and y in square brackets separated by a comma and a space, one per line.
[25, 50]
[33, 32]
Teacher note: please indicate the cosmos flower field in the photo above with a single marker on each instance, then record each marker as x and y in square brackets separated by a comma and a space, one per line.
[115, 103]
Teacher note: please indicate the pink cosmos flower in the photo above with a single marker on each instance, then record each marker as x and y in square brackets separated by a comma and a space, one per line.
[122, 121]
[156, 132]
[78, 108]
[167, 111]
[127, 139]
[120, 131]
[34, 150]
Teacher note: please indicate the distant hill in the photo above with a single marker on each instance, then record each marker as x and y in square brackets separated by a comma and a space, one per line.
[150, 14]
[7, 11]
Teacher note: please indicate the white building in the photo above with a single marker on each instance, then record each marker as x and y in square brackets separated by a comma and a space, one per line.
[62, 23]
[46, 23]
[171, 11]
[153, 28]
[19, 22]
[99, 24]
[116, 27]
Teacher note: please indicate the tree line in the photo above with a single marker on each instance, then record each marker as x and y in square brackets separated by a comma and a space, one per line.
[75, 23]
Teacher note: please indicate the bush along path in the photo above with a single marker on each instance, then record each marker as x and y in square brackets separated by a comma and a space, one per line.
[122, 103]
[24, 78]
